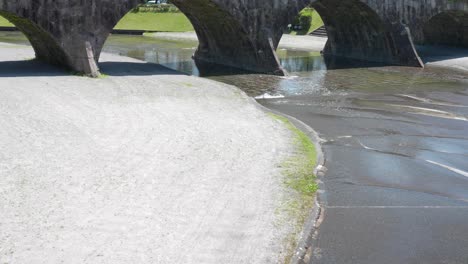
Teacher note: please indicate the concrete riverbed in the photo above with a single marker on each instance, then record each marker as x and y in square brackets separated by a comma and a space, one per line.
[394, 141]
[395, 148]
[145, 165]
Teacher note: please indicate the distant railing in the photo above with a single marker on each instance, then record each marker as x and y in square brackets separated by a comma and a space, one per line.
[156, 8]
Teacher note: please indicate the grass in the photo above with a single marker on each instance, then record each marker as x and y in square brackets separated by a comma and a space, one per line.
[315, 18]
[5, 23]
[168, 22]
[299, 168]
[178, 22]
[299, 179]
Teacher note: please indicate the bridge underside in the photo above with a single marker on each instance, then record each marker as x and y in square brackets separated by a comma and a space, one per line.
[448, 28]
[45, 46]
[224, 40]
[235, 33]
[355, 31]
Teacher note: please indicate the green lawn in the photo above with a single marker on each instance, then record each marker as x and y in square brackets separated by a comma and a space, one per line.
[178, 22]
[4, 22]
[316, 21]
[172, 22]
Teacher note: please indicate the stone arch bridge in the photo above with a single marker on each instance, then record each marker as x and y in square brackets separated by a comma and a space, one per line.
[245, 33]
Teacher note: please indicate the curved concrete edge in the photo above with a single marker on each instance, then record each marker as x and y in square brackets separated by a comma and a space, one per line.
[309, 231]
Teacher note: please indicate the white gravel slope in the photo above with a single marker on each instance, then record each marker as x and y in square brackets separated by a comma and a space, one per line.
[135, 169]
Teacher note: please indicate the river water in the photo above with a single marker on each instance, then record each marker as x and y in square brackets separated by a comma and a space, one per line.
[396, 148]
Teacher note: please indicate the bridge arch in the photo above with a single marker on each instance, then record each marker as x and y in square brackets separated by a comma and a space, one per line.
[222, 38]
[354, 30]
[237, 33]
[360, 30]
[448, 28]
[44, 44]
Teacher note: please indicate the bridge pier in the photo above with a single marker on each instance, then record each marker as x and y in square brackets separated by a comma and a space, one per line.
[46, 46]
[229, 38]
[355, 31]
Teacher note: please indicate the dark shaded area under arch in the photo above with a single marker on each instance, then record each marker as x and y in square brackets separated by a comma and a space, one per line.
[355, 31]
[448, 29]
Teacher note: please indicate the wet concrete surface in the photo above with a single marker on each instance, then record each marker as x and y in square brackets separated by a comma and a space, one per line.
[396, 189]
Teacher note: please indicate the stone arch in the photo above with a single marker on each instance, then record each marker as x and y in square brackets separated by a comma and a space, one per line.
[44, 44]
[449, 28]
[364, 30]
[110, 14]
[356, 31]
[222, 38]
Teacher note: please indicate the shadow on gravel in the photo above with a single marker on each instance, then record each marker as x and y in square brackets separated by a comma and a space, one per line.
[28, 68]
[135, 69]
[35, 68]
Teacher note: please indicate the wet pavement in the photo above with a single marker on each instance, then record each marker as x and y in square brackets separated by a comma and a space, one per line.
[396, 147]
[396, 189]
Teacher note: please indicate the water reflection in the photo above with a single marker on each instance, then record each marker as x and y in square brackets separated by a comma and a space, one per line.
[309, 74]
[178, 54]
[301, 61]
[173, 54]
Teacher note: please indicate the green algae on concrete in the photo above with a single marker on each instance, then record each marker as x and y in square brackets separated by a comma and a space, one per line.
[300, 180]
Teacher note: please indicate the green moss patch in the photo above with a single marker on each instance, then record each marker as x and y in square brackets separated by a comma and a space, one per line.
[300, 181]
